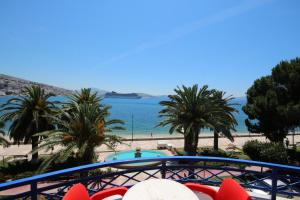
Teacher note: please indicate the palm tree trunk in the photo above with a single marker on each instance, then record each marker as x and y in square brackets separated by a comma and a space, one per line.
[188, 145]
[88, 156]
[194, 137]
[34, 145]
[191, 143]
[216, 140]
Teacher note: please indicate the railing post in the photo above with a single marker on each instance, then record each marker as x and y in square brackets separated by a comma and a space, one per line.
[33, 188]
[163, 169]
[274, 183]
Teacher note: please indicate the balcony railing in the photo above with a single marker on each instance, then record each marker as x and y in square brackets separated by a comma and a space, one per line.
[274, 179]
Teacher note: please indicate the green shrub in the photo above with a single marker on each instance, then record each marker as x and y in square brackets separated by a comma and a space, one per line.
[242, 156]
[266, 152]
[179, 151]
[294, 155]
[274, 152]
[297, 156]
[209, 151]
[10, 169]
[252, 149]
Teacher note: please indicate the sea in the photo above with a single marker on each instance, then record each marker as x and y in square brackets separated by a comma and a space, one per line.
[141, 116]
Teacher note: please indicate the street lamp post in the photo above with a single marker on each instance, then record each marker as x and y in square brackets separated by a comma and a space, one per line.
[132, 127]
[293, 137]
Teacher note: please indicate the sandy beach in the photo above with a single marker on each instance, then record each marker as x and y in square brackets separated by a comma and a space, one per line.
[146, 142]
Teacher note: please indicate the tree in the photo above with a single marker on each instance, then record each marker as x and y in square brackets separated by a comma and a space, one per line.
[3, 141]
[28, 114]
[80, 131]
[84, 96]
[223, 121]
[273, 102]
[187, 112]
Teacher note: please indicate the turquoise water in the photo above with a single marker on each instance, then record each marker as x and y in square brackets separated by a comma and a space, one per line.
[123, 155]
[145, 114]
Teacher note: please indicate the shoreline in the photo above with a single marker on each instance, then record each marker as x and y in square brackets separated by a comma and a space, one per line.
[177, 136]
[145, 137]
[148, 143]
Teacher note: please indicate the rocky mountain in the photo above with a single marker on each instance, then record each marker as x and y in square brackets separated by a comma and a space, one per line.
[10, 85]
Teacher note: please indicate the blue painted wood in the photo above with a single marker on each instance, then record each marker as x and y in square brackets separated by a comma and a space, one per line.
[163, 169]
[33, 188]
[274, 184]
[178, 172]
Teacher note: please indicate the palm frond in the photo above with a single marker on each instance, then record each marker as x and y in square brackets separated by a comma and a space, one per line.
[82, 123]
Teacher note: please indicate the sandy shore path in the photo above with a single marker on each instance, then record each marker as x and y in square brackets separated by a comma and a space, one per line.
[146, 142]
[239, 141]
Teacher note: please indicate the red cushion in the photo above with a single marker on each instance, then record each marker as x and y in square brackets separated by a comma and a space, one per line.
[109, 192]
[230, 189]
[77, 192]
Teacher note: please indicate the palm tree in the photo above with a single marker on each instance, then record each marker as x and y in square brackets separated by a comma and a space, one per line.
[84, 96]
[80, 132]
[189, 111]
[3, 141]
[28, 114]
[223, 121]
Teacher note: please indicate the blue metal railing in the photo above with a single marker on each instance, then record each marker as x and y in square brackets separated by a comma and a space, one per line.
[274, 179]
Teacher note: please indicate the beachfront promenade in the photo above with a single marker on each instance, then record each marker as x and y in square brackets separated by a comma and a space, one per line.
[146, 142]
[130, 177]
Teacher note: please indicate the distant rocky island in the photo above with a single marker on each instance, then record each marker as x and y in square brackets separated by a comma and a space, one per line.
[10, 86]
[119, 95]
[113, 94]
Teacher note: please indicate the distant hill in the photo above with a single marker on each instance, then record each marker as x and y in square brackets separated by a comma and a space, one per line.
[144, 95]
[10, 86]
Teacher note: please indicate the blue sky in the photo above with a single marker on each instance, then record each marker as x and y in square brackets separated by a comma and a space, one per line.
[147, 46]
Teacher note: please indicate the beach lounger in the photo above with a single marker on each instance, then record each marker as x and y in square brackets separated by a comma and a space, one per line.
[161, 144]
